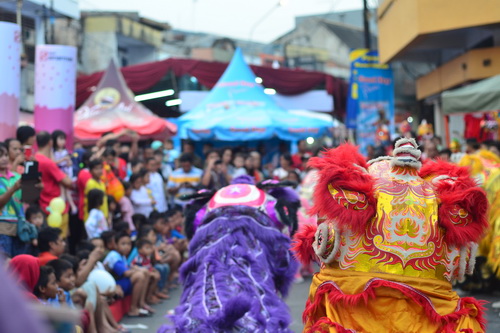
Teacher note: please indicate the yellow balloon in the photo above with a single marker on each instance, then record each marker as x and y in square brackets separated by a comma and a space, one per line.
[54, 220]
[57, 205]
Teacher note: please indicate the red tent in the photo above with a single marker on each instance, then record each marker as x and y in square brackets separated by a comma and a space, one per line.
[285, 81]
[112, 108]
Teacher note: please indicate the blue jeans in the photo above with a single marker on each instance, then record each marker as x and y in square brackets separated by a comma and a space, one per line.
[12, 246]
[164, 270]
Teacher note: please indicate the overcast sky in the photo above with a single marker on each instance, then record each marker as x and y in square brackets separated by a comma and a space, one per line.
[231, 18]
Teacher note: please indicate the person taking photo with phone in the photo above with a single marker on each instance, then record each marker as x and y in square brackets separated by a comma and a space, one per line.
[26, 136]
[214, 176]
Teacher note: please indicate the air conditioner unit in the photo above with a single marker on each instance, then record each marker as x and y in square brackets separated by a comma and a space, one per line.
[29, 37]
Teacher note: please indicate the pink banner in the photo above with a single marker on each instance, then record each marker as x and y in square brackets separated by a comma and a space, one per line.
[55, 84]
[10, 84]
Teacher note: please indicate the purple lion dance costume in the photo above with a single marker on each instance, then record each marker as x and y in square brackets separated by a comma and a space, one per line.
[240, 260]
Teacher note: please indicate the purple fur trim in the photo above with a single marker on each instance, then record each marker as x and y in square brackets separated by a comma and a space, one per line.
[271, 212]
[199, 217]
[285, 193]
[243, 179]
[238, 264]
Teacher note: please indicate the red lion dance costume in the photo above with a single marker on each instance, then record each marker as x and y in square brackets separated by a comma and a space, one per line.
[391, 237]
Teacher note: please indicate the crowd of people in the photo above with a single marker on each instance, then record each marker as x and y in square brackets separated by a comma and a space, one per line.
[122, 217]
[123, 212]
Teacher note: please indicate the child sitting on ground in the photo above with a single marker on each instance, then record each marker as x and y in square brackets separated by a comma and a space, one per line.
[50, 293]
[145, 251]
[47, 288]
[133, 280]
[172, 234]
[65, 278]
[138, 220]
[147, 232]
[122, 226]
[166, 251]
[96, 222]
[108, 238]
[102, 319]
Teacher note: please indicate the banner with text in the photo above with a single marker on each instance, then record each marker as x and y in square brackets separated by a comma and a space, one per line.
[370, 105]
[55, 84]
[10, 82]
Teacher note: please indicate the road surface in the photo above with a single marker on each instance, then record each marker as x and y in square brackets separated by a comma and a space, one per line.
[295, 301]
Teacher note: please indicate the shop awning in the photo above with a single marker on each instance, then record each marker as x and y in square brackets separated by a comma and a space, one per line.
[481, 96]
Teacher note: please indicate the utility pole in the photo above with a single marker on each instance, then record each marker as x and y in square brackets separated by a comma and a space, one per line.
[19, 13]
[19, 21]
[52, 23]
[366, 24]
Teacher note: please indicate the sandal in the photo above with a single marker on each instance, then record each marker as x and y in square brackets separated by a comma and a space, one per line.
[147, 308]
[162, 295]
[122, 329]
[140, 315]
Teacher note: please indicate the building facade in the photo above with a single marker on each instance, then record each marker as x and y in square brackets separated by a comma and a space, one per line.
[42, 22]
[323, 43]
[124, 37]
[455, 41]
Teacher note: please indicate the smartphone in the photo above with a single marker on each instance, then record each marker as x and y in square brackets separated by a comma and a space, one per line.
[30, 178]
[28, 152]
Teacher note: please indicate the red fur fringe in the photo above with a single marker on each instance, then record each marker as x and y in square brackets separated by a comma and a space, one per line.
[336, 167]
[319, 327]
[472, 200]
[302, 244]
[463, 192]
[336, 296]
[431, 168]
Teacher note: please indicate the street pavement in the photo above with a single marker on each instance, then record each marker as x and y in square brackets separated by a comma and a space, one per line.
[295, 301]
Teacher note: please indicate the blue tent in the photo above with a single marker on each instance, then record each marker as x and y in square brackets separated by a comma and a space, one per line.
[237, 109]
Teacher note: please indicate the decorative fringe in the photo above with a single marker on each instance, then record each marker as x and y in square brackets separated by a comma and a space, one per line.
[191, 216]
[342, 168]
[238, 267]
[302, 245]
[318, 327]
[287, 211]
[462, 191]
[448, 322]
[462, 264]
[474, 202]
[432, 169]
[472, 258]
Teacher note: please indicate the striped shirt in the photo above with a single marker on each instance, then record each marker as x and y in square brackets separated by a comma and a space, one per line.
[179, 177]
